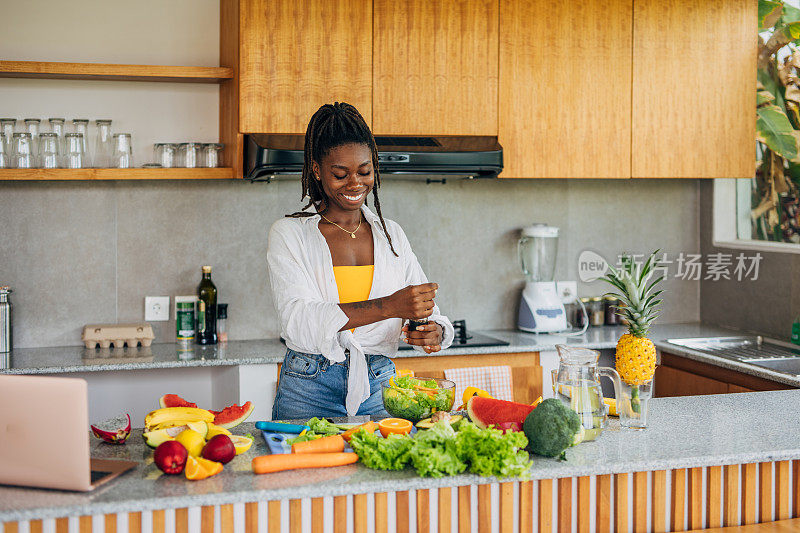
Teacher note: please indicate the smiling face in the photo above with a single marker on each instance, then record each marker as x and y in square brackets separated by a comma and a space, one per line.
[347, 176]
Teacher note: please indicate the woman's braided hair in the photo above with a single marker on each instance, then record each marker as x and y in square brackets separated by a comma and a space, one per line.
[331, 126]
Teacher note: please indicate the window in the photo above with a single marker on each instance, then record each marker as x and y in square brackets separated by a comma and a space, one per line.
[763, 212]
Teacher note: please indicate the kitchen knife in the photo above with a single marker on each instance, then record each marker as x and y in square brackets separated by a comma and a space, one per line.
[280, 427]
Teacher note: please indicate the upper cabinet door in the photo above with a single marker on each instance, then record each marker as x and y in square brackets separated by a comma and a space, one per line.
[565, 88]
[435, 68]
[297, 55]
[694, 89]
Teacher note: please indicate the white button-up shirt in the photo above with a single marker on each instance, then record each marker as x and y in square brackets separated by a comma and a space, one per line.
[306, 296]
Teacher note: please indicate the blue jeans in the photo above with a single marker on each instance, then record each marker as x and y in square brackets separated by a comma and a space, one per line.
[310, 385]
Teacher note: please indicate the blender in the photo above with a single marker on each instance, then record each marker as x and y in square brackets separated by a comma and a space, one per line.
[541, 309]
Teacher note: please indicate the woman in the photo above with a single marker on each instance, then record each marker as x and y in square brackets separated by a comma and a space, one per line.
[344, 279]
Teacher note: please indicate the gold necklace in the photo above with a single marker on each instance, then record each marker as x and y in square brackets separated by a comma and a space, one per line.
[352, 233]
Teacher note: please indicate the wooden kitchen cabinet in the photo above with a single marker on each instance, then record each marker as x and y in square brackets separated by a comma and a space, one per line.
[295, 56]
[565, 88]
[639, 89]
[694, 86]
[679, 376]
[435, 67]
[674, 382]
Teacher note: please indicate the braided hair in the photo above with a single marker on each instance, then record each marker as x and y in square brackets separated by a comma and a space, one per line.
[334, 125]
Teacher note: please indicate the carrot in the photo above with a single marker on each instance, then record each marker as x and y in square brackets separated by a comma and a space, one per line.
[369, 427]
[330, 444]
[266, 464]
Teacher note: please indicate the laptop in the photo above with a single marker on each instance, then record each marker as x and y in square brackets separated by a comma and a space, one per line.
[47, 444]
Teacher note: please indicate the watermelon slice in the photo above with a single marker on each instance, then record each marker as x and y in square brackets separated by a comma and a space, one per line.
[485, 412]
[233, 415]
[230, 417]
[173, 400]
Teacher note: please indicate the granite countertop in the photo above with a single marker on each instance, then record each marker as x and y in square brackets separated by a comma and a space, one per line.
[731, 364]
[270, 351]
[683, 432]
[170, 355]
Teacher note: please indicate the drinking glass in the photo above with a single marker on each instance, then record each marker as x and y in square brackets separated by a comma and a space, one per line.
[103, 148]
[32, 127]
[75, 156]
[5, 160]
[57, 127]
[23, 151]
[166, 154]
[7, 126]
[123, 156]
[81, 125]
[212, 153]
[190, 154]
[49, 150]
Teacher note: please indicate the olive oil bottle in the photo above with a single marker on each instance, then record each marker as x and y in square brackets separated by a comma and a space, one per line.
[206, 309]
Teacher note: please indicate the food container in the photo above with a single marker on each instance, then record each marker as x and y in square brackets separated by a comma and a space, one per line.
[596, 311]
[610, 304]
[416, 398]
[105, 335]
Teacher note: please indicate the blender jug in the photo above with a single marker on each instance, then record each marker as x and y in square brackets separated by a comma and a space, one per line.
[540, 309]
[537, 248]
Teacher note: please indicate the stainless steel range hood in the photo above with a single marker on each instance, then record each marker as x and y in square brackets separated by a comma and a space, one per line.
[268, 157]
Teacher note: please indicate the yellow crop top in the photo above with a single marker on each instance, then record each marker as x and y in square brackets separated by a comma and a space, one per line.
[353, 282]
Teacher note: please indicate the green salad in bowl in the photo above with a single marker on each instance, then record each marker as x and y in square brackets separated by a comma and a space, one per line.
[416, 398]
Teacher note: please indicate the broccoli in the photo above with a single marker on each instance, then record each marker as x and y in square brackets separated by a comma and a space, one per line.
[551, 428]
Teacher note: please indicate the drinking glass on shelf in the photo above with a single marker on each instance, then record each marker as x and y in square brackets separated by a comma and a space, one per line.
[212, 154]
[23, 151]
[81, 125]
[190, 154]
[103, 148]
[32, 127]
[7, 126]
[75, 156]
[57, 127]
[123, 151]
[49, 150]
[166, 154]
[5, 160]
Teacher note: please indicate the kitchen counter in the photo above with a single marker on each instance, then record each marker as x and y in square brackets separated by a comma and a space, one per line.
[63, 359]
[683, 433]
[722, 362]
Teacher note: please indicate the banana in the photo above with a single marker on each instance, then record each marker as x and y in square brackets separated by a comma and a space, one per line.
[176, 416]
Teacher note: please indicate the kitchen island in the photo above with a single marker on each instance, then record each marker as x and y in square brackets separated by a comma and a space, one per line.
[704, 461]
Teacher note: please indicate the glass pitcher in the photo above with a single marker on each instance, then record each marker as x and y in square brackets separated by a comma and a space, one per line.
[577, 384]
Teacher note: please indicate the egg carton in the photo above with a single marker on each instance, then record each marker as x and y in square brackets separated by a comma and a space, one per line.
[104, 335]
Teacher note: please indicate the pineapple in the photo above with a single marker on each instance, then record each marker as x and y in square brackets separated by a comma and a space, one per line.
[636, 354]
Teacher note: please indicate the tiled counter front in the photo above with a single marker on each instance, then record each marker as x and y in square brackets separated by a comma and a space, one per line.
[661, 500]
[703, 461]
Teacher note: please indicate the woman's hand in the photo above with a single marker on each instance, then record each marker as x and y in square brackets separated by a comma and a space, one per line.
[414, 302]
[429, 336]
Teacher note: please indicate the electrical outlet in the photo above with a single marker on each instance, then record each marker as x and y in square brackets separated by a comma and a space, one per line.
[156, 308]
[567, 291]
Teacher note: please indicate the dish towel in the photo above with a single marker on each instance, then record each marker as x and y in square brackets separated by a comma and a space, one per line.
[496, 380]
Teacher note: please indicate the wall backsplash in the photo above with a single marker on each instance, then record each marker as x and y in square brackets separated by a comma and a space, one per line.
[89, 252]
[767, 305]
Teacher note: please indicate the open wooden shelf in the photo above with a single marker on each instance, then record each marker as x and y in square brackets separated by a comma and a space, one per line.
[34, 174]
[103, 71]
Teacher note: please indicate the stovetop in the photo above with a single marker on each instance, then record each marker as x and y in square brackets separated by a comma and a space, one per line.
[465, 339]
